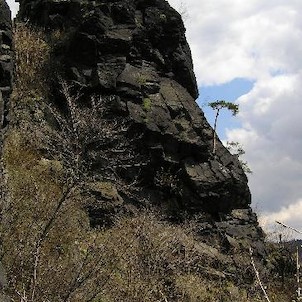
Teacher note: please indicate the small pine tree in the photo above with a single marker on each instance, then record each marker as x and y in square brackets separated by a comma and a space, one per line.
[219, 105]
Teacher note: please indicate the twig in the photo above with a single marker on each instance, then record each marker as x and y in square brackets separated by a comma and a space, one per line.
[289, 227]
[258, 276]
[164, 297]
[35, 273]
[298, 274]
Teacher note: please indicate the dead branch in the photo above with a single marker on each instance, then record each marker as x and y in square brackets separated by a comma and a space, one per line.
[258, 275]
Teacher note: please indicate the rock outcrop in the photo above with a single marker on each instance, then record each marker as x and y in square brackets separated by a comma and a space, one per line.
[6, 85]
[6, 60]
[132, 65]
[106, 153]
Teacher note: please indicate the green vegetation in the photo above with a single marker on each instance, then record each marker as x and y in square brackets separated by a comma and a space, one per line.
[236, 149]
[141, 79]
[147, 104]
[218, 106]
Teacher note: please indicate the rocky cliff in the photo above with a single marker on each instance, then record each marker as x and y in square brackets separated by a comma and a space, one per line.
[6, 85]
[116, 119]
[6, 62]
[130, 60]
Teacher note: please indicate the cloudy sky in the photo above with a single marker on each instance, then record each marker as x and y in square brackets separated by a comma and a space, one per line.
[250, 52]
[13, 6]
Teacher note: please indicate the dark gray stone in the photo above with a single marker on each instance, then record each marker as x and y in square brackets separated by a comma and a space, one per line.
[146, 130]
[6, 84]
[6, 60]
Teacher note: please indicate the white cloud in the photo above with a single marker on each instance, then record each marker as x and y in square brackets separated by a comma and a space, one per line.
[13, 6]
[262, 41]
[289, 216]
[271, 134]
[242, 39]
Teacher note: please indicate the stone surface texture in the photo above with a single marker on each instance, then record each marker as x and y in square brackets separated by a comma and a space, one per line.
[145, 141]
[6, 60]
[6, 84]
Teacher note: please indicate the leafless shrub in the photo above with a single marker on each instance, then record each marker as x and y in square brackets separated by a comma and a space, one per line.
[49, 249]
[258, 276]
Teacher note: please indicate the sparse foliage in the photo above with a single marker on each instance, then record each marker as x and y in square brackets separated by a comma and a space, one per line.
[236, 148]
[218, 105]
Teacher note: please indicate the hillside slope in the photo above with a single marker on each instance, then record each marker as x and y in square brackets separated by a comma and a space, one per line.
[112, 191]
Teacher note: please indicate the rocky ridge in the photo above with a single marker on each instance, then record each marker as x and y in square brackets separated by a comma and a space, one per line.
[6, 60]
[133, 57]
[133, 66]
[122, 116]
[6, 86]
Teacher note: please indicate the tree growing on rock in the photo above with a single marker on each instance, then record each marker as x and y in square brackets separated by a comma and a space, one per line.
[234, 148]
[218, 106]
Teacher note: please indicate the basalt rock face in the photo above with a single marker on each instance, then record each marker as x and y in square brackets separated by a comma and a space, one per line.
[6, 60]
[143, 139]
[6, 78]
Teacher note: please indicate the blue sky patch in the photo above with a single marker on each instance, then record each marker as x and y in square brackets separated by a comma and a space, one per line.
[229, 92]
[277, 72]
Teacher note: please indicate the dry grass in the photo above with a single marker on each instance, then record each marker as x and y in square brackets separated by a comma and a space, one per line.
[32, 56]
[52, 254]
[139, 259]
[34, 195]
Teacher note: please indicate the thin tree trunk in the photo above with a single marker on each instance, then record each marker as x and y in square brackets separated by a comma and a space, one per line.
[214, 132]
